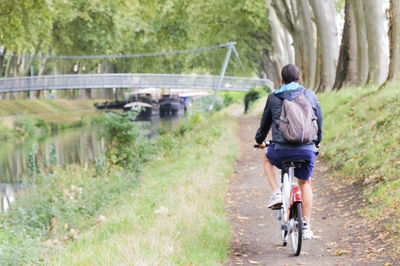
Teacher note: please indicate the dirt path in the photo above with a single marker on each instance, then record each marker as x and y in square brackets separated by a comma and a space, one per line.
[341, 237]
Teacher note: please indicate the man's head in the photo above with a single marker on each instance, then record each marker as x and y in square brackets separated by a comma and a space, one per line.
[290, 73]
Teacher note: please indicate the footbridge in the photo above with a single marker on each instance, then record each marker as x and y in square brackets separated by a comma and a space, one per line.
[131, 80]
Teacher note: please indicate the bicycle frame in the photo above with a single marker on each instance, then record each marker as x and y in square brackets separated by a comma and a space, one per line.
[289, 212]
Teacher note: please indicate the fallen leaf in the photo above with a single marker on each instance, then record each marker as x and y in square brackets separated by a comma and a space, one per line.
[253, 262]
[340, 252]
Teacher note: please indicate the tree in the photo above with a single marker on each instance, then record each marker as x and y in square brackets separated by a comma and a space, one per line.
[296, 18]
[324, 13]
[378, 57]
[346, 72]
[394, 37]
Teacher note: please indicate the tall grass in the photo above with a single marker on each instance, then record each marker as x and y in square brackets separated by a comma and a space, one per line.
[113, 214]
[361, 143]
[177, 215]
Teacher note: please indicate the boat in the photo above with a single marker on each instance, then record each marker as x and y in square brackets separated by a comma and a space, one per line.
[170, 106]
[144, 110]
[109, 105]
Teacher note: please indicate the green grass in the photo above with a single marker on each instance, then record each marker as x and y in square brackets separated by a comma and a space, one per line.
[361, 144]
[177, 215]
[172, 213]
[52, 115]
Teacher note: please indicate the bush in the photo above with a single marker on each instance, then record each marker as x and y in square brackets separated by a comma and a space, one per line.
[126, 147]
[26, 126]
[253, 95]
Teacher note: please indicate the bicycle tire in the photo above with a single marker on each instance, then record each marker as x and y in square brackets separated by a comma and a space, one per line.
[296, 234]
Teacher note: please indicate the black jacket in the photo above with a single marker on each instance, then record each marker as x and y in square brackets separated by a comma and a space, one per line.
[272, 113]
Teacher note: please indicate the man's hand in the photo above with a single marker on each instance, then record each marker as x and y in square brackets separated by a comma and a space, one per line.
[260, 146]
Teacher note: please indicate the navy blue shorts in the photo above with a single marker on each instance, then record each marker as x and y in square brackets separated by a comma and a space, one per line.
[276, 157]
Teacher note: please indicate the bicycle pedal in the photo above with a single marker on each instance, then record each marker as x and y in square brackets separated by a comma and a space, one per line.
[277, 206]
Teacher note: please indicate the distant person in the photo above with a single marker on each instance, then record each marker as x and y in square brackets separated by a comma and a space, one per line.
[280, 149]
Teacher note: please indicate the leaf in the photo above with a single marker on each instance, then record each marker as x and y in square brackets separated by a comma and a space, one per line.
[340, 252]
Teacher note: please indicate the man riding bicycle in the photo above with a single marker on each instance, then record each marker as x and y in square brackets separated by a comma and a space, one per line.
[282, 150]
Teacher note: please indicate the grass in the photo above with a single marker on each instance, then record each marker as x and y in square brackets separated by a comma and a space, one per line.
[51, 115]
[177, 215]
[361, 144]
[172, 213]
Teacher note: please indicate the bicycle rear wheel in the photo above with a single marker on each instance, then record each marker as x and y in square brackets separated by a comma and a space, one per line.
[296, 228]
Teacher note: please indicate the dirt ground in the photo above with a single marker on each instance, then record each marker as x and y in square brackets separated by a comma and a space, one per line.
[342, 237]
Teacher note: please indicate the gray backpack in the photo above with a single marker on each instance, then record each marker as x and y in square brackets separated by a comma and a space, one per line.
[298, 123]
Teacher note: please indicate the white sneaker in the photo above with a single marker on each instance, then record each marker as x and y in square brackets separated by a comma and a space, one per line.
[275, 202]
[307, 233]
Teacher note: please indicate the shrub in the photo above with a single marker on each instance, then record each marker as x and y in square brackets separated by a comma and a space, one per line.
[126, 147]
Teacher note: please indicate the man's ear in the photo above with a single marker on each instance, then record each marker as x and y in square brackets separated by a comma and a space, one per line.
[282, 81]
[299, 79]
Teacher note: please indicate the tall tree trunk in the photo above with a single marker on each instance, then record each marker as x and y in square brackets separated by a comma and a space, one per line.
[308, 47]
[346, 72]
[394, 37]
[296, 18]
[362, 43]
[324, 12]
[11, 65]
[378, 57]
[2, 56]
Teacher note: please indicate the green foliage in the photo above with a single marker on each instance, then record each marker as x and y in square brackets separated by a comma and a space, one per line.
[360, 143]
[25, 126]
[189, 123]
[5, 133]
[126, 146]
[200, 228]
[58, 206]
[84, 27]
[253, 95]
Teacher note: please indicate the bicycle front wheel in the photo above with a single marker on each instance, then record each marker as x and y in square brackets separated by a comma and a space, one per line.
[296, 228]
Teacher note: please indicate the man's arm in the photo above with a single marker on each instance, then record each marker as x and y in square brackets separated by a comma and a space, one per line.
[317, 110]
[266, 122]
[318, 113]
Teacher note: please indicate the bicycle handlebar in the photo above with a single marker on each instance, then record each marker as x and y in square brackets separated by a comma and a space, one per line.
[266, 143]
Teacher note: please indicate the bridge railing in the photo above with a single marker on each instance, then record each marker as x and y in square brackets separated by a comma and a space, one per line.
[129, 80]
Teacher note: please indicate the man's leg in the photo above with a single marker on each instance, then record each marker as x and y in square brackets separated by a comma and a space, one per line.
[307, 194]
[275, 201]
[270, 172]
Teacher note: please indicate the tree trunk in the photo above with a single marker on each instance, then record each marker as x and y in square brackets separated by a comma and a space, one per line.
[2, 56]
[362, 43]
[378, 57]
[346, 72]
[11, 65]
[324, 12]
[308, 47]
[296, 18]
[267, 67]
[394, 37]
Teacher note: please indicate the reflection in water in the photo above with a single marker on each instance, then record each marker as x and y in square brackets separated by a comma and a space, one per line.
[7, 194]
[21, 163]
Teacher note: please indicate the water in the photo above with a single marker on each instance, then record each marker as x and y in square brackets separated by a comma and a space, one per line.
[20, 163]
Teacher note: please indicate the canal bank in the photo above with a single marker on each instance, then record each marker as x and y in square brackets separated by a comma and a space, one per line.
[20, 118]
[79, 201]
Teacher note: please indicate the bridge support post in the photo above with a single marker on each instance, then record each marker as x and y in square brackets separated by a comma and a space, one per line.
[230, 46]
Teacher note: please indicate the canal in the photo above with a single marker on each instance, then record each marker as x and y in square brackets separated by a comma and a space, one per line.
[20, 163]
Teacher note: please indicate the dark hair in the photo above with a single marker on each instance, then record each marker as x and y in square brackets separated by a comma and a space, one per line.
[290, 73]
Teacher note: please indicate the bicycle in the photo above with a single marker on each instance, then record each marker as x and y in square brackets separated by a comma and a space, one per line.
[290, 213]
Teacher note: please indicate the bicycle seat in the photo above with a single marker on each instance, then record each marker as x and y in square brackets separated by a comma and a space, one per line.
[295, 163]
